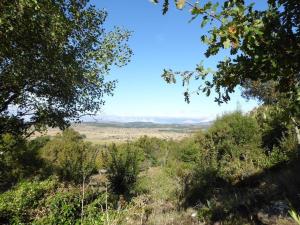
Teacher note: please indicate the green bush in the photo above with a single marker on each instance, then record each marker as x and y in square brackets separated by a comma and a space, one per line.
[122, 163]
[286, 150]
[18, 159]
[237, 146]
[52, 202]
[188, 151]
[18, 204]
[94, 212]
[70, 157]
[236, 128]
[273, 125]
[63, 208]
[228, 152]
[37, 143]
[155, 150]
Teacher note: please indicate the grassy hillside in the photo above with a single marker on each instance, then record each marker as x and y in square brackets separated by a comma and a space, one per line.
[234, 172]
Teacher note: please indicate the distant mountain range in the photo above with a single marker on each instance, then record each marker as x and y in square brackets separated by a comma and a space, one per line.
[147, 120]
[201, 125]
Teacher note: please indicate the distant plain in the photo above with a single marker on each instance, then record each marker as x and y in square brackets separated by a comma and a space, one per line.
[105, 133]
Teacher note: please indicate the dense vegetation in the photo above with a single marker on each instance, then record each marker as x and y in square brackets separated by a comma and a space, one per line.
[235, 172]
[243, 169]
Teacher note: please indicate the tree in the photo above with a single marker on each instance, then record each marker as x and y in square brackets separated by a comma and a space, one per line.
[70, 157]
[123, 165]
[263, 46]
[276, 111]
[53, 58]
[19, 159]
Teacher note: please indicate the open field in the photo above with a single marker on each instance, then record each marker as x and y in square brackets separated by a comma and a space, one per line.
[101, 133]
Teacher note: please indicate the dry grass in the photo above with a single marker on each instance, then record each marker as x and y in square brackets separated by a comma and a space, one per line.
[104, 135]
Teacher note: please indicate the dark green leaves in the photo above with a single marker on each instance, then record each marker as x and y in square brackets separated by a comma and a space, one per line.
[165, 7]
[54, 56]
[263, 45]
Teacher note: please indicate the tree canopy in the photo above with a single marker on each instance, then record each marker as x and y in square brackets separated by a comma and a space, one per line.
[54, 56]
[263, 46]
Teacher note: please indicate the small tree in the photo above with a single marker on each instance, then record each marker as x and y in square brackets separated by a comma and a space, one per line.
[18, 159]
[70, 157]
[236, 150]
[122, 164]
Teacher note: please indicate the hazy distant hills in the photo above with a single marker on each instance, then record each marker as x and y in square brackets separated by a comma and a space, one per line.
[202, 125]
[148, 121]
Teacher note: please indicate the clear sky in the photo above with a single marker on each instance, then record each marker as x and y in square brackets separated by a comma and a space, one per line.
[159, 42]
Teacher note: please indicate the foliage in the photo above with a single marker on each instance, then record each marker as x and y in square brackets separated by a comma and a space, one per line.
[236, 128]
[285, 151]
[53, 58]
[70, 157]
[237, 143]
[264, 92]
[188, 151]
[64, 208]
[155, 150]
[92, 215]
[17, 205]
[273, 125]
[229, 152]
[295, 216]
[223, 172]
[49, 202]
[262, 45]
[18, 159]
[122, 163]
[38, 142]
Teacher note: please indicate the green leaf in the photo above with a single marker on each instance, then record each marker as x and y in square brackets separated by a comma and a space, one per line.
[226, 43]
[208, 92]
[165, 7]
[204, 21]
[295, 216]
[215, 7]
[197, 11]
[207, 6]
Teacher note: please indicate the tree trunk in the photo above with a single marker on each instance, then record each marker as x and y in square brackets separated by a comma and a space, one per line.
[297, 133]
[82, 200]
[298, 137]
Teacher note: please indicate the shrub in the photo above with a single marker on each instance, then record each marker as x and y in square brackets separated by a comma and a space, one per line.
[69, 156]
[122, 163]
[229, 152]
[272, 124]
[36, 144]
[286, 150]
[236, 128]
[51, 202]
[18, 160]
[155, 149]
[94, 213]
[188, 151]
[63, 208]
[237, 146]
[17, 204]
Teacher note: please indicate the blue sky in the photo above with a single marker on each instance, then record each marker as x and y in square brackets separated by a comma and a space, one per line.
[159, 42]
